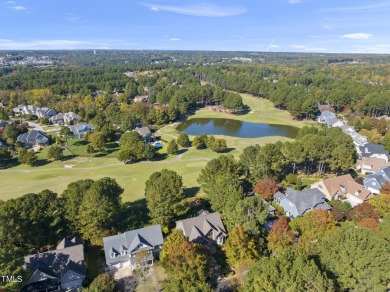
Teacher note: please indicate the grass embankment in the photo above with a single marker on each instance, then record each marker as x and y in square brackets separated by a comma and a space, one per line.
[55, 176]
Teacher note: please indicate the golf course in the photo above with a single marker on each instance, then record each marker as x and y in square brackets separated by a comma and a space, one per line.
[22, 179]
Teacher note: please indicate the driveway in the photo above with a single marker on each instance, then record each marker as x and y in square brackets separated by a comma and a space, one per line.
[35, 126]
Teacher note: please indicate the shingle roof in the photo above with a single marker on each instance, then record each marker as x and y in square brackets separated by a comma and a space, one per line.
[144, 131]
[81, 128]
[307, 200]
[334, 185]
[54, 263]
[33, 137]
[199, 226]
[150, 236]
[369, 149]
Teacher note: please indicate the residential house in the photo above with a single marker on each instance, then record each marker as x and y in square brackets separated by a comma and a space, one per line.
[368, 165]
[62, 269]
[205, 229]
[33, 138]
[45, 112]
[145, 133]
[141, 98]
[374, 182]
[373, 150]
[64, 119]
[325, 116]
[57, 119]
[333, 123]
[121, 250]
[34, 110]
[297, 203]
[343, 187]
[81, 129]
[70, 118]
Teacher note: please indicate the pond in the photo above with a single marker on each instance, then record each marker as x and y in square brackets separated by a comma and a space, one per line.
[235, 128]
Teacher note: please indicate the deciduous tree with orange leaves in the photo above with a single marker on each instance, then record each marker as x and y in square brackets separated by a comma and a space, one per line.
[266, 188]
[280, 236]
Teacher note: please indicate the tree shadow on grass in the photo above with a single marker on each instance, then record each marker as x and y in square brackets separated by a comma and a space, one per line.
[133, 215]
[9, 164]
[42, 162]
[80, 143]
[182, 151]
[229, 149]
[245, 110]
[160, 156]
[191, 192]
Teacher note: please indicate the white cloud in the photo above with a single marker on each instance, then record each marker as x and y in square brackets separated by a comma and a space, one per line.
[328, 27]
[294, 1]
[274, 46]
[206, 10]
[357, 36]
[18, 7]
[10, 2]
[174, 39]
[357, 8]
[298, 46]
[41, 44]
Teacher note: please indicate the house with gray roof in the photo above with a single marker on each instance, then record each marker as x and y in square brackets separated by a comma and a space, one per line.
[45, 112]
[325, 116]
[34, 110]
[205, 229]
[33, 138]
[62, 269]
[297, 203]
[81, 129]
[64, 119]
[121, 250]
[374, 182]
[373, 150]
[145, 134]
[334, 122]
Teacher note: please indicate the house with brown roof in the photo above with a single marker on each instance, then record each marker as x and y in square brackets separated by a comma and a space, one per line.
[343, 187]
[368, 165]
[62, 269]
[205, 229]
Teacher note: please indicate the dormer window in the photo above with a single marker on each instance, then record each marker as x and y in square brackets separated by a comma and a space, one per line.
[112, 255]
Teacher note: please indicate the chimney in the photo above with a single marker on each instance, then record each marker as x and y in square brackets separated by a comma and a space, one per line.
[357, 193]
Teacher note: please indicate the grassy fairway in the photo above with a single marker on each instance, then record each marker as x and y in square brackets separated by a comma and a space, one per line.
[23, 179]
[261, 111]
[55, 176]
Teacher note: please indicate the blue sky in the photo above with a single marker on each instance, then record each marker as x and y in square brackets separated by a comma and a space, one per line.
[351, 26]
